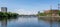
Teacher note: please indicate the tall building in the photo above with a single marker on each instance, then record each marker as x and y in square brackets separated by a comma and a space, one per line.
[38, 12]
[3, 9]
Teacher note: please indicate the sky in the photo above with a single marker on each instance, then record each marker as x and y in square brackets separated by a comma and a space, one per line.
[28, 6]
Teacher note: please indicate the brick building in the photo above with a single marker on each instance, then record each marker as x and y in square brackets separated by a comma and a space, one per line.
[51, 12]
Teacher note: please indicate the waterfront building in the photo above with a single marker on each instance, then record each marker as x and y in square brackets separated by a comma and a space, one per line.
[51, 12]
[3, 9]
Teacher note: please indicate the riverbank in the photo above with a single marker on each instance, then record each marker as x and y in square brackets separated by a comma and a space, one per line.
[7, 15]
[50, 18]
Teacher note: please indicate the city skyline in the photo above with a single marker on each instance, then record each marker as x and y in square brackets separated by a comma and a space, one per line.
[28, 6]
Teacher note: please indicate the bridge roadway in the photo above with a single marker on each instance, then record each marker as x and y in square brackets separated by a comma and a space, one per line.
[28, 15]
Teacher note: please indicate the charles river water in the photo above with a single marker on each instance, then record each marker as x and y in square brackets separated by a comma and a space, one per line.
[27, 22]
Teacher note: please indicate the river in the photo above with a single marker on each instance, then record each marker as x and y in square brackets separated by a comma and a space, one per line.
[27, 22]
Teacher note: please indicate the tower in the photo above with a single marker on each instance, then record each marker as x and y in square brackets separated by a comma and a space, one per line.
[3, 9]
[58, 6]
[38, 12]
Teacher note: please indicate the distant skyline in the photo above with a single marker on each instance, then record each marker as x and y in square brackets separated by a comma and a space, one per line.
[28, 6]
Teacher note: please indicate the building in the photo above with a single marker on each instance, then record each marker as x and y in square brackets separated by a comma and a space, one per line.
[3, 9]
[38, 12]
[51, 12]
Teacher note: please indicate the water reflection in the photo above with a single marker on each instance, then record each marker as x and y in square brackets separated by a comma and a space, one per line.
[4, 21]
[54, 21]
[28, 22]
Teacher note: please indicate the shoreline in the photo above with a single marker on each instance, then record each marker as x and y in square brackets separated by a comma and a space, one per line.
[50, 18]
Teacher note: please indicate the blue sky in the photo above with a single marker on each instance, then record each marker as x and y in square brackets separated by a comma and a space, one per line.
[28, 6]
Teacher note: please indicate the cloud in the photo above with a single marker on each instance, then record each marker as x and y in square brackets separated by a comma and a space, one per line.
[25, 12]
[0, 9]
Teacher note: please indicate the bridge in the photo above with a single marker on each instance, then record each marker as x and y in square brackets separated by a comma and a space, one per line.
[27, 15]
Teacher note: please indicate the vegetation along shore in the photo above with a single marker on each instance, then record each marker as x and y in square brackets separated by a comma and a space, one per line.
[48, 15]
[8, 14]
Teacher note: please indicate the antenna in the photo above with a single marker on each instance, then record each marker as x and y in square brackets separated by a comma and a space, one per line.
[51, 7]
[51, 17]
[58, 11]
